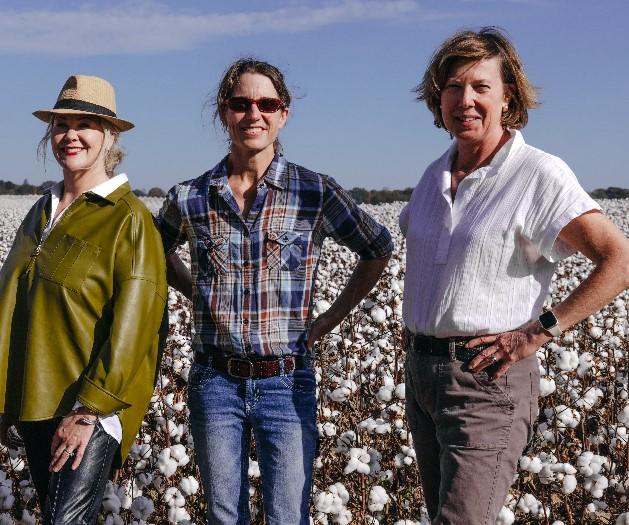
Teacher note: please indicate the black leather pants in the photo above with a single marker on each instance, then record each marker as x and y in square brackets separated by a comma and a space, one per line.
[68, 496]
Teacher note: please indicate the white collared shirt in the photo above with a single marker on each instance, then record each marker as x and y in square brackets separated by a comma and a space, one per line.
[111, 423]
[483, 263]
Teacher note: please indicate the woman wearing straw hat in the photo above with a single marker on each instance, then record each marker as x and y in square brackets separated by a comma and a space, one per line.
[82, 297]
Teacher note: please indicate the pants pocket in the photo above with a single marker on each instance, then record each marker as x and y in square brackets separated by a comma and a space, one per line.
[472, 410]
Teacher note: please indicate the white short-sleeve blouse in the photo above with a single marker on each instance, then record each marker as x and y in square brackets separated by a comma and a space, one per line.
[483, 263]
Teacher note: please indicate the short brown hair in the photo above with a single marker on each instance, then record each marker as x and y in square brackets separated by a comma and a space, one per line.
[473, 46]
[232, 76]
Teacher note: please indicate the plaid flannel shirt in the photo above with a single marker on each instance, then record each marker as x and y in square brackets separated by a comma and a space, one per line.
[252, 278]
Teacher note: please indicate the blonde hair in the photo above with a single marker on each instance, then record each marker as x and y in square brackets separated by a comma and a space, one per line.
[113, 156]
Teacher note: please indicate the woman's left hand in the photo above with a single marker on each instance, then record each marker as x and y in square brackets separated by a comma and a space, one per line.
[506, 348]
[71, 438]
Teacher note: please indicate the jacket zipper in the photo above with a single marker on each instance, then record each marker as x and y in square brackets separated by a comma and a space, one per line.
[42, 240]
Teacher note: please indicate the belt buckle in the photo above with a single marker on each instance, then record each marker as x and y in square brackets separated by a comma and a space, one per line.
[452, 349]
[232, 360]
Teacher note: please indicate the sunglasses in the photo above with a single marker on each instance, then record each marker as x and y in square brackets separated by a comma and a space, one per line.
[243, 104]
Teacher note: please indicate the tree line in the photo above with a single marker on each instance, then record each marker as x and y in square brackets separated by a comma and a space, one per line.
[361, 195]
[11, 188]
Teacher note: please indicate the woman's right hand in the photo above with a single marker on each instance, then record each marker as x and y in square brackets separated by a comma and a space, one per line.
[71, 438]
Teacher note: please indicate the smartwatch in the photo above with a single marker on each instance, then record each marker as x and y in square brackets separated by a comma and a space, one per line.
[549, 322]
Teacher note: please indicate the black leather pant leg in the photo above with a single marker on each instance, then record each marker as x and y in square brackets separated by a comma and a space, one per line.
[37, 437]
[75, 496]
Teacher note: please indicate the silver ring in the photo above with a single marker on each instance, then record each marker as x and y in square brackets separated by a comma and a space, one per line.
[64, 451]
[494, 358]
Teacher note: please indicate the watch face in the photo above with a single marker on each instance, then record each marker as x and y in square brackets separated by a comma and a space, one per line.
[548, 320]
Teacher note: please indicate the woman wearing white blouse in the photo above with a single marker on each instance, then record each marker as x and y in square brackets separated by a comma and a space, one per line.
[485, 227]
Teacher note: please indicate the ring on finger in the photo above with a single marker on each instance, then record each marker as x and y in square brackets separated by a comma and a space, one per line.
[494, 358]
[65, 451]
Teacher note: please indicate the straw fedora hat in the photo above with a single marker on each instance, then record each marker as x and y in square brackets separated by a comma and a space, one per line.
[85, 95]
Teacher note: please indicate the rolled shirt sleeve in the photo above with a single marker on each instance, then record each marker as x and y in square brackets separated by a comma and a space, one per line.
[350, 226]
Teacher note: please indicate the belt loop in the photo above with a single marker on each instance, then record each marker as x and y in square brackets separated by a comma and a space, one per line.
[280, 365]
[452, 349]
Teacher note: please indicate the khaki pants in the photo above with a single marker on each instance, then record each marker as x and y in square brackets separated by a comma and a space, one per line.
[469, 433]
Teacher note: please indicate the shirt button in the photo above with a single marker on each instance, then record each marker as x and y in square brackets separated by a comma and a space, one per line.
[246, 291]
[245, 262]
[247, 347]
[245, 321]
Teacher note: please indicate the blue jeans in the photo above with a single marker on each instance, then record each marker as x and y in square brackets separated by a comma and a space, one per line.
[68, 496]
[281, 412]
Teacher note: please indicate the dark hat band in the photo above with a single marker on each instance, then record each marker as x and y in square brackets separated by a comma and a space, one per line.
[81, 105]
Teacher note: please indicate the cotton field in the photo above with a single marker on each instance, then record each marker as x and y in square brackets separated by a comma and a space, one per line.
[575, 471]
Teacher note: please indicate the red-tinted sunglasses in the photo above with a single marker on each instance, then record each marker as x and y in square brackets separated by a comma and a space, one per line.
[243, 104]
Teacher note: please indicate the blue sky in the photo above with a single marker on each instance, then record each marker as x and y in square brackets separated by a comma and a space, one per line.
[352, 65]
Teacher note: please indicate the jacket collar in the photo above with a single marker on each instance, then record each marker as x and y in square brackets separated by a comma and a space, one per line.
[111, 190]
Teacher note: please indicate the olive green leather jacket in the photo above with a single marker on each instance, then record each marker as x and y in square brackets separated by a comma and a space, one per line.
[82, 314]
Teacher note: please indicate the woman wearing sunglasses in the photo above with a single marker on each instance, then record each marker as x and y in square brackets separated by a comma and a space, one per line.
[255, 224]
[82, 297]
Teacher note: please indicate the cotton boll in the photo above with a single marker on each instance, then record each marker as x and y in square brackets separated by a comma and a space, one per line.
[6, 498]
[385, 394]
[114, 519]
[400, 391]
[328, 503]
[142, 507]
[321, 307]
[567, 360]
[568, 484]
[505, 517]
[177, 515]
[188, 486]
[596, 332]
[166, 465]
[179, 454]
[254, 469]
[378, 498]
[339, 395]
[590, 398]
[378, 315]
[596, 485]
[586, 361]
[111, 500]
[174, 498]
[327, 429]
[358, 461]
[344, 517]
[533, 465]
[547, 386]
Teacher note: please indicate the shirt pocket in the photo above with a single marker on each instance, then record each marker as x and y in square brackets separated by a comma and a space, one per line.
[212, 255]
[284, 250]
[68, 263]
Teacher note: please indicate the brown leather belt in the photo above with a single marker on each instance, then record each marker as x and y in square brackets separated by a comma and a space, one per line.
[253, 367]
[453, 347]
